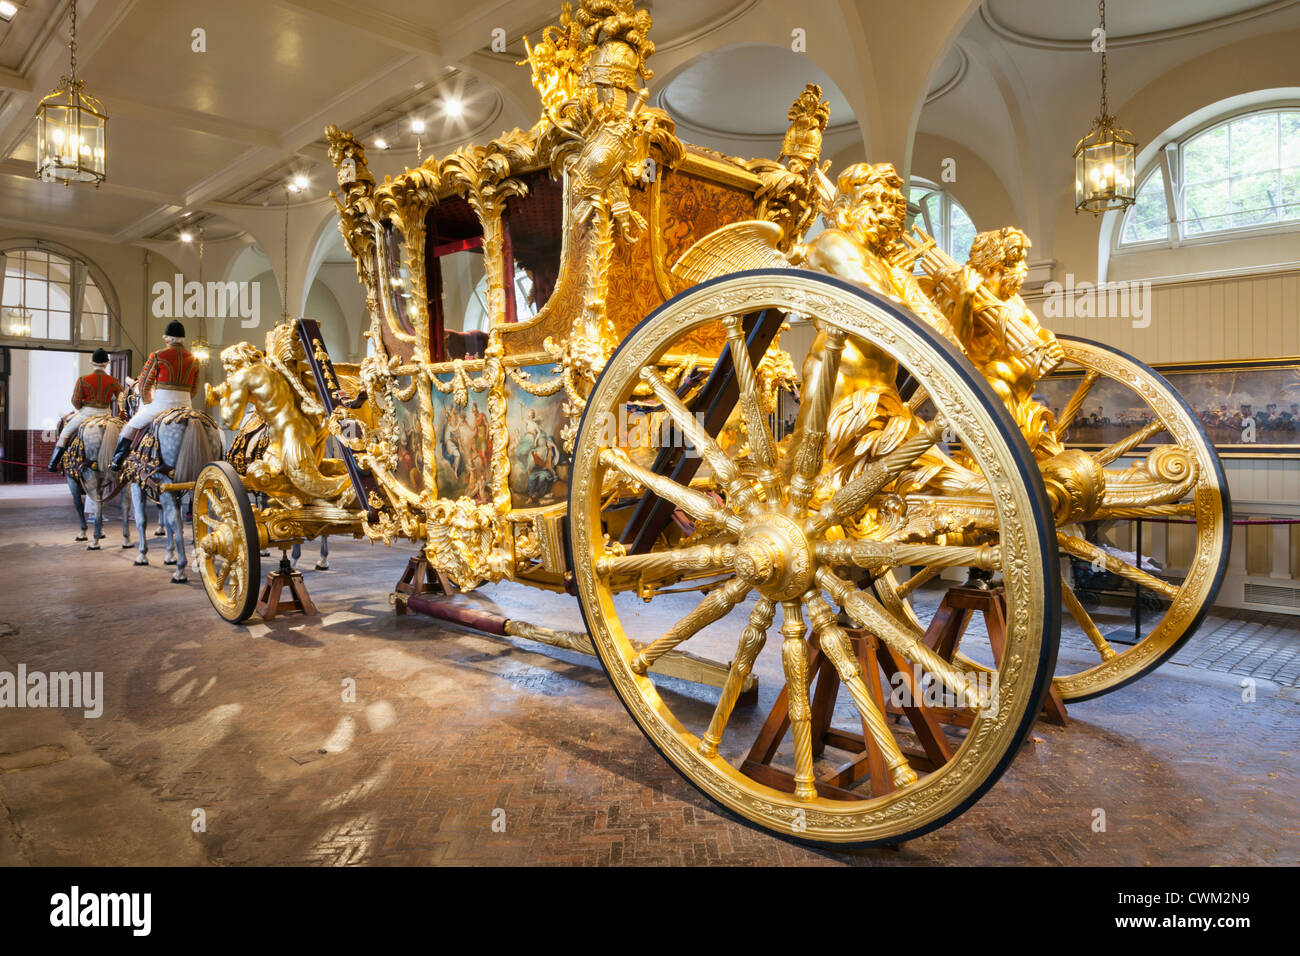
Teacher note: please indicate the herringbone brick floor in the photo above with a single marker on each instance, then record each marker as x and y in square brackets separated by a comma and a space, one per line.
[464, 749]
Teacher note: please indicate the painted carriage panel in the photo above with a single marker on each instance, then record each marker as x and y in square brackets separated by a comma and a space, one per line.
[410, 455]
[462, 445]
[539, 465]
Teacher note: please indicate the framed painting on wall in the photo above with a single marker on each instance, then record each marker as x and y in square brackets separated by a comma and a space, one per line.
[1249, 408]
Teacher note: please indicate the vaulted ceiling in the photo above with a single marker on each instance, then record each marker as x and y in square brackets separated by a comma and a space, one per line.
[213, 133]
[192, 128]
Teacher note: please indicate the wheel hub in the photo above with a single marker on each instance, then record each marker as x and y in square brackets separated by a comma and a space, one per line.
[775, 556]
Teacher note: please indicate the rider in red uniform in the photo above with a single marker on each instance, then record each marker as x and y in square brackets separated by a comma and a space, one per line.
[91, 396]
[169, 379]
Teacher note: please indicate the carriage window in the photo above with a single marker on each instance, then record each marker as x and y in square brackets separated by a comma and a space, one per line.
[400, 289]
[46, 294]
[464, 291]
[458, 308]
[534, 228]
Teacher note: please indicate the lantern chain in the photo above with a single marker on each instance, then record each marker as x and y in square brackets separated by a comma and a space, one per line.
[1101, 9]
[72, 40]
[285, 291]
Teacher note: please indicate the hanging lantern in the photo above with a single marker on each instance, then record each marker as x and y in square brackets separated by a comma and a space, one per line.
[19, 322]
[70, 128]
[1105, 160]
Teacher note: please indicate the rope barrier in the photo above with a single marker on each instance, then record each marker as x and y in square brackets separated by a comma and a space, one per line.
[1235, 521]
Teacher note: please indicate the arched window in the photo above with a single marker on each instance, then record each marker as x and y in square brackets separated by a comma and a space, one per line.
[942, 217]
[1239, 174]
[50, 297]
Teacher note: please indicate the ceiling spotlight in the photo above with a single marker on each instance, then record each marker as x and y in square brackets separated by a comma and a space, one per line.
[299, 183]
[187, 236]
[453, 107]
[417, 125]
[7, 10]
[381, 143]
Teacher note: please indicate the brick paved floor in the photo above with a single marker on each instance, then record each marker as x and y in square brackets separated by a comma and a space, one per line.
[448, 727]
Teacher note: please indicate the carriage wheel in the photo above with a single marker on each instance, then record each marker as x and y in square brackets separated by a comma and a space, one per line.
[226, 541]
[1179, 601]
[1183, 599]
[771, 551]
[1186, 597]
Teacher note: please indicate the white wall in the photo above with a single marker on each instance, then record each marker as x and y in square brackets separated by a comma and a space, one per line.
[40, 386]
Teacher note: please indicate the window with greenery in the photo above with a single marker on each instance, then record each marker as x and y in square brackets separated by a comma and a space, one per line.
[942, 217]
[1243, 173]
[49, 297]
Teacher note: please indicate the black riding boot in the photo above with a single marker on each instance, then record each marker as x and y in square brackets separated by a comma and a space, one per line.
[56, 458]
[120, 452]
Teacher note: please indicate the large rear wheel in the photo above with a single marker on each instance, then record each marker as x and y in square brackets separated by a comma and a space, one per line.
[777, 530]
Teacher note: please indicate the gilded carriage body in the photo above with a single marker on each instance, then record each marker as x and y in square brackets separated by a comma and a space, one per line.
[606, 428]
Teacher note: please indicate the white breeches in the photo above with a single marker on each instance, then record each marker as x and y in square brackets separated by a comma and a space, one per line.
[163, 399]
[80, 416]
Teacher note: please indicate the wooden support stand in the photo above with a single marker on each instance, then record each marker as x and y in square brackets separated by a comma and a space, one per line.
[419, 578]
[876, 661]
[270, 604]
[416, 578]
[944, 636]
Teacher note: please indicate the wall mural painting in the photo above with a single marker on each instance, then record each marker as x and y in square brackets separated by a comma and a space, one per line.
[539, 466]
[1247, 408]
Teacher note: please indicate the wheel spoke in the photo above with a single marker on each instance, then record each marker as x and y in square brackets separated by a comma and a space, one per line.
[836, 646]
[1094, 555]
[1127, 444]
[697, 504]
[658, 564]
[1085, 621]
[880, 554]
[1075, 403]
[752, 639]
[723, 467]
[916, 580]
[1147, 511]
[714, 607]
[820, 372]
[211, 522]
[794, 661]
[854, 495]
[869, 614]
[761, 444]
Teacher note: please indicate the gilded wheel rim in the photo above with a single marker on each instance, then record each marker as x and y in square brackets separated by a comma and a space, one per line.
[226, 542]
[778, 552]
[1205, 507]
[1205, 504]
